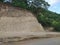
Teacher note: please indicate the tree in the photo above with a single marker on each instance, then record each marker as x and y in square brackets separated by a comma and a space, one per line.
[9, 1]
[1, 0]
[35, 3]
[41, 3]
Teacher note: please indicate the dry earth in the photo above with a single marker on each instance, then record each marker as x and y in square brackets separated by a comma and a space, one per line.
[17, 24]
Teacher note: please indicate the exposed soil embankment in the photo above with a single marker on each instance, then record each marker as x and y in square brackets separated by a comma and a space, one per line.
[17, 24]
[14, 20]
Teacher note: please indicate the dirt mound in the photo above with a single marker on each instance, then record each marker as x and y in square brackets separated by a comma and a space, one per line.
[16, 19]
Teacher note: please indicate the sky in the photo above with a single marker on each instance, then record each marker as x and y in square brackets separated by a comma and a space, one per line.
[54, 5]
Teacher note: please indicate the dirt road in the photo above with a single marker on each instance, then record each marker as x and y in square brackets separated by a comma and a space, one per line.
[51, 41]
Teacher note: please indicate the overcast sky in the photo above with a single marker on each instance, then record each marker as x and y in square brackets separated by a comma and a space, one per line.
[55, 5]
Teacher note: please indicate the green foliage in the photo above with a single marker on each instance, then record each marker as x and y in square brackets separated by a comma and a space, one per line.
[1, 0]
[23, 4]
[45, 4]
[56, 25]
[19, 3]
[48, 18]
[45, 21]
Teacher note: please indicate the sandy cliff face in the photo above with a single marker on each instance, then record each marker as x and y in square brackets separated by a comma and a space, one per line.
[16, 19]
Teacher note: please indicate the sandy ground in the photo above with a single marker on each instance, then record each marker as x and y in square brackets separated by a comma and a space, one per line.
[49, 41]
[17, 36]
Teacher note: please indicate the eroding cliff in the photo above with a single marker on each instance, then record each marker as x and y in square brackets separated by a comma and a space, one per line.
[16, 19]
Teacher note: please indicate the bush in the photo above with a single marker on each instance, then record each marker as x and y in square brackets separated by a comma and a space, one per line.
[45, 21]
[19, 3]
[1, 0]
[57, 26]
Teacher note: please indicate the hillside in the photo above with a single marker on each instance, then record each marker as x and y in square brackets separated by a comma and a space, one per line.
[17, 24]
[13, 19]
[49, 19]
